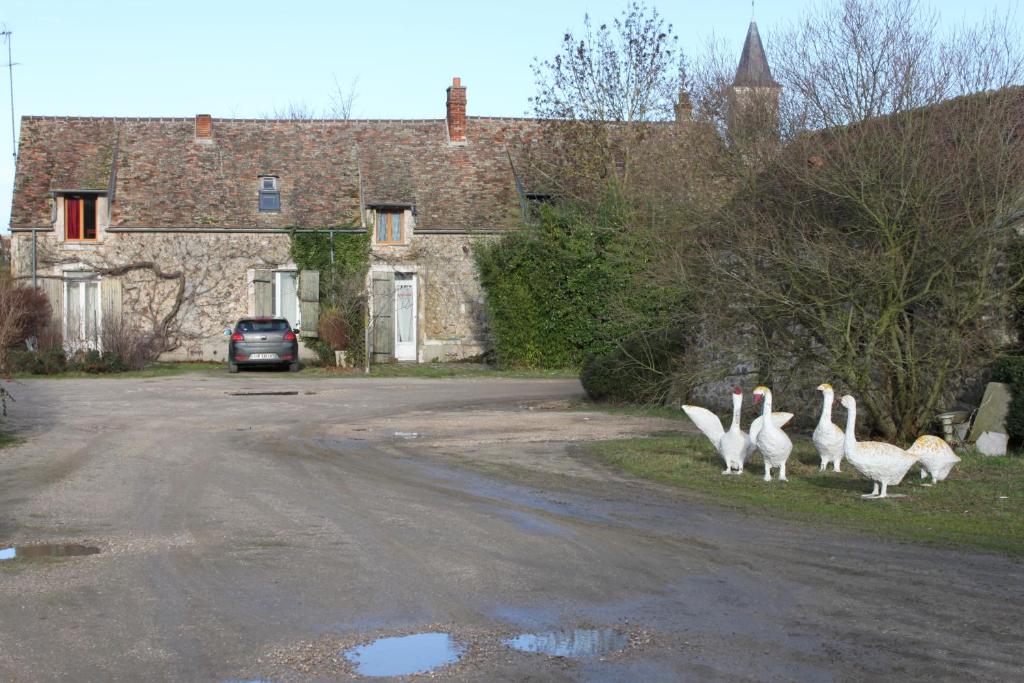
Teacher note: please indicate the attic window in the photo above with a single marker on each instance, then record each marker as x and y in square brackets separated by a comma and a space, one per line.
[390, 226]
[79, 218]
[270, 198]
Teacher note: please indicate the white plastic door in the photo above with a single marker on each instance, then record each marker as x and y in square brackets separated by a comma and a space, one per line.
[405, 317]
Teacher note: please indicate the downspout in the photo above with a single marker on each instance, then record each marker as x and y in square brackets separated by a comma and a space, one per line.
[369, 290]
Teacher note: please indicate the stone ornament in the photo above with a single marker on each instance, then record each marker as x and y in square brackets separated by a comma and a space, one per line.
[827, 437]
[735, 445]
[992, 443]
[882, 463]
[773, 443]
[935, 456]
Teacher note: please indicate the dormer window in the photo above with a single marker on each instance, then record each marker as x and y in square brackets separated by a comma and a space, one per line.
[79, 218]
[270, 198]
[390, 226]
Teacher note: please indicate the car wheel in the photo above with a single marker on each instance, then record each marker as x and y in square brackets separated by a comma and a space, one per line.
[293, 367]
[232, 367]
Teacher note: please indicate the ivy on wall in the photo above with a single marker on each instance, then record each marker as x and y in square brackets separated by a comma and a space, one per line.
[342, 283]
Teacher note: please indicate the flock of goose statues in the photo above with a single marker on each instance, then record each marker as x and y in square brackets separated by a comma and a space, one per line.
[883, 463]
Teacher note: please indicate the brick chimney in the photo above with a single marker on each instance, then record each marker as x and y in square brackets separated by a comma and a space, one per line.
[204, 127]
[457, 111]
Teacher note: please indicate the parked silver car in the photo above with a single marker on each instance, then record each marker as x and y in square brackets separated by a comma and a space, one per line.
[263, 341]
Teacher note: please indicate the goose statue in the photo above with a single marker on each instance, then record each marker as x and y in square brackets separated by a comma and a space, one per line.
[882, 463]
[935, 456]
[773, 443]
[827, 437]
[734, 445]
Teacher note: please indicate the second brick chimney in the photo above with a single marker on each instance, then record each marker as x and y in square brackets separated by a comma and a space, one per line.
[457, 111]
[204, 127]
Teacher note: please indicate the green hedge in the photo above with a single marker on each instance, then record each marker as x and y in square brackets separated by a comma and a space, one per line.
[567, 288]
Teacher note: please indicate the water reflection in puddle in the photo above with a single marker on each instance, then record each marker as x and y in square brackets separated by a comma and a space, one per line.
[577, 643]
[38, 551]
[404, 655]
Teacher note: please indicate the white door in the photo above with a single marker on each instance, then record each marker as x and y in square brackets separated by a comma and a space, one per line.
[405, 316]
[286, 296]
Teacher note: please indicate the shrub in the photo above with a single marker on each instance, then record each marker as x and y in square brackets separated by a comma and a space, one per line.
[24, 312]
[42, 361]
[335, 329]
[1010, 369]
[645, 368]
[125, 347]
[323, 350]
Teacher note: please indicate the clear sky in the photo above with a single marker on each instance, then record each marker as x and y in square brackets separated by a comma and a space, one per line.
[246, 59]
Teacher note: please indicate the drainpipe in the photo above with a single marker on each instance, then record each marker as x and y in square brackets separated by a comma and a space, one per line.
[34, 241]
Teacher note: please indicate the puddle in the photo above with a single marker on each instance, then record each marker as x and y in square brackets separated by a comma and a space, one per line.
[405, 655]
[578, 643]
[262, 393]
[37, 551]
[407, 435]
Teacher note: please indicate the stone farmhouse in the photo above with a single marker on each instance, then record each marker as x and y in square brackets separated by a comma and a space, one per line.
[183, 225]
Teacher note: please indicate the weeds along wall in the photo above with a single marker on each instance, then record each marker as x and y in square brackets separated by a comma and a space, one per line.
[342, 283]
[567, 287]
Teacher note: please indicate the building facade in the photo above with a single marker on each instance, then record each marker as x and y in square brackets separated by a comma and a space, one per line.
[181, 226]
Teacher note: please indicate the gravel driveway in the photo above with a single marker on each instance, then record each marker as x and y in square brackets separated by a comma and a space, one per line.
[250, 536]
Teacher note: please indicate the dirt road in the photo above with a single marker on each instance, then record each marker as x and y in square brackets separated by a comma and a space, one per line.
[247, 536]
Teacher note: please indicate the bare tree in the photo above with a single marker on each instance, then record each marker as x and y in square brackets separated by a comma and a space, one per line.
[343, 100]
[877, 247]
[341, 103]
[602, 97]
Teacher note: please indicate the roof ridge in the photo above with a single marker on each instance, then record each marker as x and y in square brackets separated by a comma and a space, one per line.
[189, 119]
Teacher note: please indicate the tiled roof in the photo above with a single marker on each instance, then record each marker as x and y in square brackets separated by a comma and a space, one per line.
[166, 178]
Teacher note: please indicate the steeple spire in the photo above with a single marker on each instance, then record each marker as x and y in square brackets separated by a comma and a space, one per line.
[753, 71]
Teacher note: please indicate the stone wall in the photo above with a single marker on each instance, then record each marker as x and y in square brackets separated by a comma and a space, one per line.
[206, 273]
[451, 309]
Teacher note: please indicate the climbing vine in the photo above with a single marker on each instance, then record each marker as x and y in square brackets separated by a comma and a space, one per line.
[342, 284]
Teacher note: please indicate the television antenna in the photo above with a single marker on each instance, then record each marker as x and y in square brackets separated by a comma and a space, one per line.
[6, 34]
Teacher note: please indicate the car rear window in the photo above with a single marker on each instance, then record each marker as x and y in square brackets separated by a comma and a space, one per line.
[263, 326]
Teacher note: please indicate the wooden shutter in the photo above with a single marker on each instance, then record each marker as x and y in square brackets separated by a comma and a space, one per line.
[382, 322]
[309, 302]
[263, 288]
[54, 290]
[110, 301]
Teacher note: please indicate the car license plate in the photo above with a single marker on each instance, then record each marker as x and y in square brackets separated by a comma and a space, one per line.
[263, 356]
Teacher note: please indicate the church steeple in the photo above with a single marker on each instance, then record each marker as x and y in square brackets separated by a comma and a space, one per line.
[753, 71]
[754, 96]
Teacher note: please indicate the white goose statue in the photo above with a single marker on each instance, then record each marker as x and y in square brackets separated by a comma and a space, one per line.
[827, 437]
[734, 445]
[773, 443]
[935, 456]
[882, 463]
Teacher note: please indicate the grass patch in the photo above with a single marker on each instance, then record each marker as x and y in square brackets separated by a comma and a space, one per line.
[966, 509]
[154, 370]
[442, 371]
[9, 439]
